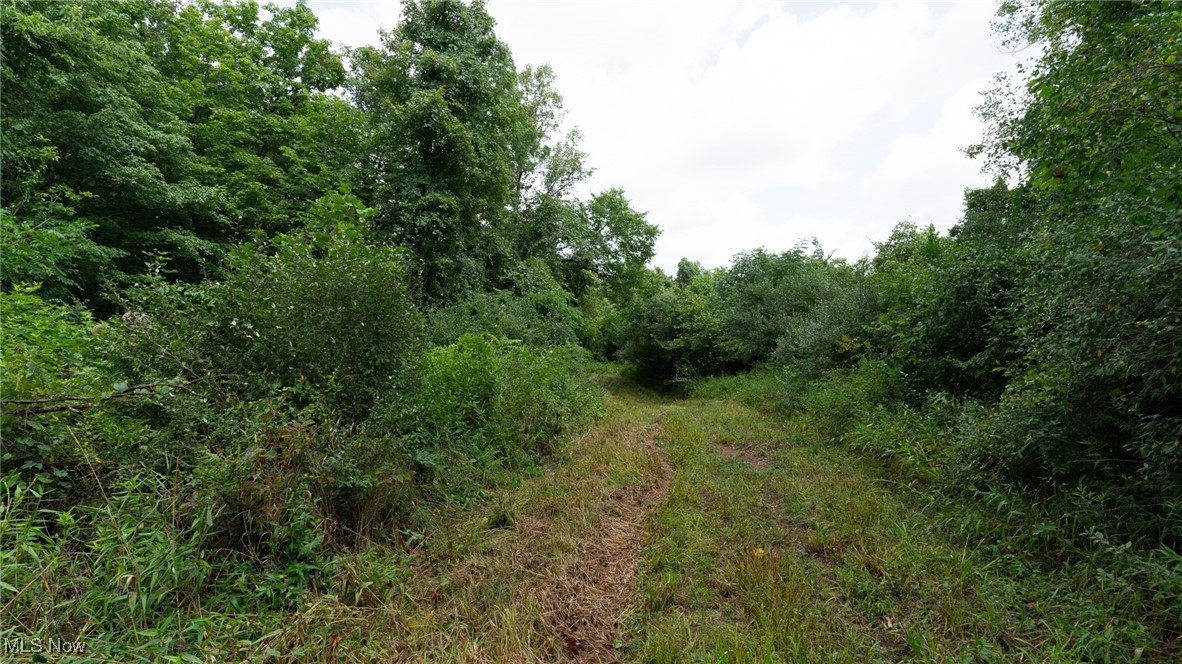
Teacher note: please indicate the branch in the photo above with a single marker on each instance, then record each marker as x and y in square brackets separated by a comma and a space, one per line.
[75, 403]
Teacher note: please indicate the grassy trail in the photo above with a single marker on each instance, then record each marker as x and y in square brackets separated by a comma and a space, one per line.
[681, 530]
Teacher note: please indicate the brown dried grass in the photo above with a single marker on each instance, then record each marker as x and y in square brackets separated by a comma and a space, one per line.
[593, 591]
[752, 458]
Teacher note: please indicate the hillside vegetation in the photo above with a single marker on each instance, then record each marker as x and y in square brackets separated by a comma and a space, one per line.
[302, 344]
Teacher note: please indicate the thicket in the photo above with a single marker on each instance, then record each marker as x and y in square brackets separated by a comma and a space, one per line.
[231, 438]
[223, 372]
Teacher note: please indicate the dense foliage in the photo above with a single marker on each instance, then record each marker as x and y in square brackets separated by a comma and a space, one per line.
[223, 370]
[1027, 361]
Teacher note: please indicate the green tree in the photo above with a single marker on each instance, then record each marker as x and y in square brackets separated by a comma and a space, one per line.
[686, 271]
[548, 168]
[607, 242]
[949, 325]
[761, 294]
[253, 93]
[442, 98]
[92, 134]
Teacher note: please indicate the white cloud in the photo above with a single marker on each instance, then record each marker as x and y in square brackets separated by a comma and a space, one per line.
[353, 23]
[747, 124]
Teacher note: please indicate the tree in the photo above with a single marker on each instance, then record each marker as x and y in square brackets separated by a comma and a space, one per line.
[145, 128]
[548, 168]
[686, 271]
[441, 94]
[253, 92]
[607, 241]
[762, 293]
[91, 133]
[949, 325]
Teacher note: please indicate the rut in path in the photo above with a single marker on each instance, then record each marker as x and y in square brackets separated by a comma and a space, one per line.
[592, 593]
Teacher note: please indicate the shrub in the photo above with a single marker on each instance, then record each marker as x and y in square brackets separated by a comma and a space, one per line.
[762, 294]
[328, 316]
[491, 402]
[536, 310]
[48, 352]
[832, 333]
[645, 343]
[950, 325]
[603, 324]
[47, 346]
[909, 440]
[675, 333]
[836, 403]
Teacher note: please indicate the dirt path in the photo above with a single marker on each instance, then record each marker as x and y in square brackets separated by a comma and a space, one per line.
[543, 571]
[596, 588]
[761, 547]
[752, 458]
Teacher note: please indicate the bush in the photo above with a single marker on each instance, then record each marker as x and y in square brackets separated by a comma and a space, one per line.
[603, 324]
[328, 317]
[536, 310]
[47, 346]
[675, 334]
[232, 495]
[646, 340]
[833, 332]
[836, 403]
[48, 352]
[911, 441]
[761, 295]
[950, 325]
[484, 403]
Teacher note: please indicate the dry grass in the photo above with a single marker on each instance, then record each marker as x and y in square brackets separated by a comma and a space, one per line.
[598, 585]
[752, 458]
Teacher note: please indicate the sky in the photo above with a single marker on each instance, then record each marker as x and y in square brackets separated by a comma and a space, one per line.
[757, 124]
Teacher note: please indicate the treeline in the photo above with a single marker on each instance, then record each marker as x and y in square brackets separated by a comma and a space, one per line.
[1028, 363]
[266, 302]
[151, 128]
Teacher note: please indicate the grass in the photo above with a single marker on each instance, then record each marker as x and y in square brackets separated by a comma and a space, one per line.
[743, 538]
[702, 529]
[795, 550]
[542, 571]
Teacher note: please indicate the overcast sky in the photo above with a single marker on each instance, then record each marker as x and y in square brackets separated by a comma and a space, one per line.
[739, 125]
